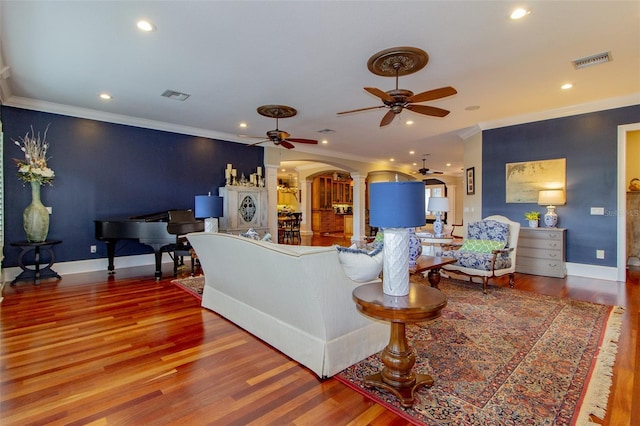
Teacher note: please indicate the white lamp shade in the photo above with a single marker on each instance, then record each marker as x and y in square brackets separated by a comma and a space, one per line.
[551, 197]
[438, 204]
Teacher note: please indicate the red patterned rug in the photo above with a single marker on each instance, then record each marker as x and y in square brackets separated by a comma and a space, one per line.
[192, 285]
[506, 358]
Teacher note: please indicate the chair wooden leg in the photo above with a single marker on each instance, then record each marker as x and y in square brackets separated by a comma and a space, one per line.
[485, 280]
[512, 280]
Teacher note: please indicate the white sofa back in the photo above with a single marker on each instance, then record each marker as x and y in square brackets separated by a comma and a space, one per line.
[296, 298]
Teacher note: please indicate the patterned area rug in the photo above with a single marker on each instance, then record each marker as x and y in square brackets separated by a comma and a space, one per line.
[506, 358]
[192, 285]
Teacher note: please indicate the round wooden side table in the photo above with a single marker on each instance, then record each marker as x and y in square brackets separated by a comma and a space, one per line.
[37, 273]
[421, 304]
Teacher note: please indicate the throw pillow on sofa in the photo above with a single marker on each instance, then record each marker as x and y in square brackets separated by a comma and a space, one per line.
[361, 265]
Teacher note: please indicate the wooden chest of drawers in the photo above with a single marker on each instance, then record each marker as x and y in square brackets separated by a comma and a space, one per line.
[541, 251]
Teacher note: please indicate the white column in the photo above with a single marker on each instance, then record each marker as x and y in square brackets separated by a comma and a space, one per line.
[271, 183]
[305, 207]
[359, 207]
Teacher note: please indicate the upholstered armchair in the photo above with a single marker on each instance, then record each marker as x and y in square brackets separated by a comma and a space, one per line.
[488, 250]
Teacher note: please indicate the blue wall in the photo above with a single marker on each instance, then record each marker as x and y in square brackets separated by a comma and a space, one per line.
[106, 170]
[589, 142]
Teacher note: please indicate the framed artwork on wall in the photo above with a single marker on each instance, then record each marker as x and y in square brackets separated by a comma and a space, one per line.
[471, 180]
[524, 180]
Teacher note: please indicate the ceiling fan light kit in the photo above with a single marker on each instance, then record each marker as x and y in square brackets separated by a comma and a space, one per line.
[399, 61]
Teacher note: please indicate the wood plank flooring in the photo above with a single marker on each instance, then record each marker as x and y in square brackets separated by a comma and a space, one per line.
[128, 350]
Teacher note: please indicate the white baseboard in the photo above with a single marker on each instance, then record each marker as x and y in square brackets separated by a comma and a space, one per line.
[608, 273]
[91, 265]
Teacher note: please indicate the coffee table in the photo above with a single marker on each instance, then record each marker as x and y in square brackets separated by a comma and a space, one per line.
[421, 304]
[433, 265]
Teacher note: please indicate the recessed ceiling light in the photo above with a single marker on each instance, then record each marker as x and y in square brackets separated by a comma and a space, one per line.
[243, 125]
[412, 152]
[324, 141]
[448, 164]
[472, 108]
[392, 159]
[145, 25]
[519, 13]
[283, 170]
[409, 122]
[566, 86]
[105, 96]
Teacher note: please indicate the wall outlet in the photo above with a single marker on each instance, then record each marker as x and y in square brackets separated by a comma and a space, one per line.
[93, 249]
[597, 211]
[599, 254]
[50, 210]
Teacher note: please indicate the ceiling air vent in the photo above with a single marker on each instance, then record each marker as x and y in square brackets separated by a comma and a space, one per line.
[178, 96]
[592, 60]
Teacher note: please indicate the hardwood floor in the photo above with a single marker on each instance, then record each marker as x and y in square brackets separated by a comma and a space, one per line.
[94, 349]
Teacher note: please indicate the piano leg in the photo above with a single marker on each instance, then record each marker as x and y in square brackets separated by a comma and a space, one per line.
[158, 252]
[111, 253]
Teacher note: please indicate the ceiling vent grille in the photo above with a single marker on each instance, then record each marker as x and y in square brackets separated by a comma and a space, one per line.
[588, 61]
[178, 96]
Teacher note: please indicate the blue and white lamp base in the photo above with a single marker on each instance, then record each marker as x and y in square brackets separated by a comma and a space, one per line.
[551, 217]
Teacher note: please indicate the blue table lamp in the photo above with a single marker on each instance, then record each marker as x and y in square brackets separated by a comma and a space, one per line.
[394, 207]
[209, 208]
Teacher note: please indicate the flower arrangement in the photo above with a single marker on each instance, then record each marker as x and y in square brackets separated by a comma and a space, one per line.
[533, 215]
[34, 166]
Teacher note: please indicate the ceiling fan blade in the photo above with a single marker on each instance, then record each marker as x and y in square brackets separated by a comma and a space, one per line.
[257, 143]
[379, 93]
[388, 118]
[361, 109]
[286, 144]
[298, 140]
[430, 95]
[428, 110]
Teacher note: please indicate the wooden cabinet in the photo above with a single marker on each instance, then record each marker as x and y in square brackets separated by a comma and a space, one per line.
[348, 225]
[342, 192]
[322, 193]
[339, 223]
[541, 251]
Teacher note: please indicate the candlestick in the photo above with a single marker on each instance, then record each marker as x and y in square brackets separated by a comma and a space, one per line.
[229, 167]
[259, 171]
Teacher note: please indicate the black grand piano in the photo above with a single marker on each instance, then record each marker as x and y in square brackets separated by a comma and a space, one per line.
[162, 231]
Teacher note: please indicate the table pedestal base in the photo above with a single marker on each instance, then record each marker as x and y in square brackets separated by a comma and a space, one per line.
[405, 395]
[396, 376]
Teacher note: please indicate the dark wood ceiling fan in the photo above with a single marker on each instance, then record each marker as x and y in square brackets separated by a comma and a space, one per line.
[399, 61]
[426, 171]
[277, 136]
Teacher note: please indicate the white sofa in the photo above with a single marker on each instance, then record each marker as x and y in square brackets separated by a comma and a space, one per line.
[295, 298]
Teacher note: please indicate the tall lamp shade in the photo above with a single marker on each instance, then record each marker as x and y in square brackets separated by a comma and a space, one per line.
[209, 208]
[551, 198]
[394, 207]
[438, 205]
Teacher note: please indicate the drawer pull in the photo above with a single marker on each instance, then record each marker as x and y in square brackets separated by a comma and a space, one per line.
[552, 255]
[552, 265]
[553, 236]
[553, 245]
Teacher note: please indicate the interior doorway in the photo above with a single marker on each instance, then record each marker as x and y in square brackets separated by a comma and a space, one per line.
[626, 134]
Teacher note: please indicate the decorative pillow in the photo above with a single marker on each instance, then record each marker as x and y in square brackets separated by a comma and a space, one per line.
[482, 246]
[361, 265]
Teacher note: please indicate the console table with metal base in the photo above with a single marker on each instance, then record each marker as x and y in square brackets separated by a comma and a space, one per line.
[37, 273]
[421, 304]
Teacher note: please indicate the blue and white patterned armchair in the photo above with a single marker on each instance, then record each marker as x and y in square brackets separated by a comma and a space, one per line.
[488, 250]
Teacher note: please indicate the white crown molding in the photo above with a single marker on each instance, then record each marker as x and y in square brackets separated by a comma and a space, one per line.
[601, 105]
[90, 114]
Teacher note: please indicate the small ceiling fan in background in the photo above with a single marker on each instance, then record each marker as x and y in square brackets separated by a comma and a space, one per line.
[277, 136]
[399, 61]
[426, 171]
